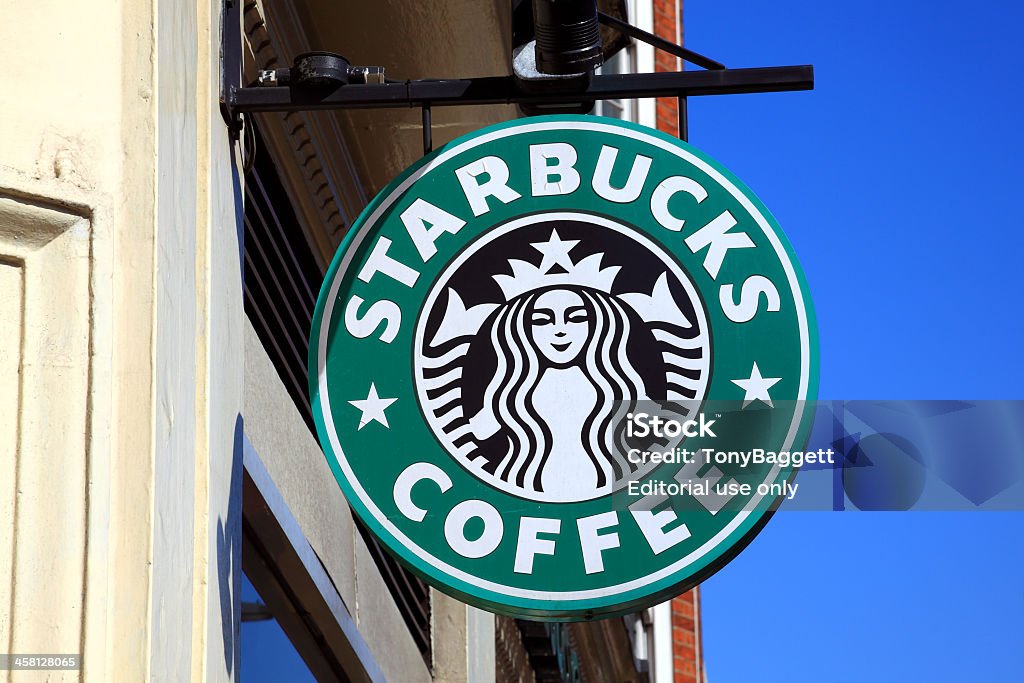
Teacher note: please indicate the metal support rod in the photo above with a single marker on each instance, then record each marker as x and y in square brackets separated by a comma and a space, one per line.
[684, 123]
[428, 141]
[692, 57]
[505, 90]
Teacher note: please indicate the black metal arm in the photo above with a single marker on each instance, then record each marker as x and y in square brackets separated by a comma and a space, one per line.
[660, 43]
[345, 94]
[504, 90]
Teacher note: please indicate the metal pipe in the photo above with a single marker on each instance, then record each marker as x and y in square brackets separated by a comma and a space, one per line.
[428, 133]
[684, 119]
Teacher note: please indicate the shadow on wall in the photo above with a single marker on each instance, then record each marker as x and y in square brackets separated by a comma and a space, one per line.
[229, 530]
[229, 557]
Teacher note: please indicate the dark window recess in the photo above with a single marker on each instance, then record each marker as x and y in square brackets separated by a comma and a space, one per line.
[552, 656]
[282, 281]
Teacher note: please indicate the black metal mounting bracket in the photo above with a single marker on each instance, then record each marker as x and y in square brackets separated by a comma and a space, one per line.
[372, 91]
[231, 64]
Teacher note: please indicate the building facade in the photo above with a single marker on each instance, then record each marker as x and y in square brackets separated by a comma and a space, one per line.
[158, 274]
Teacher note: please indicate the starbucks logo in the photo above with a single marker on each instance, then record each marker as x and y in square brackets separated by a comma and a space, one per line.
[503, 329]
[536, 340]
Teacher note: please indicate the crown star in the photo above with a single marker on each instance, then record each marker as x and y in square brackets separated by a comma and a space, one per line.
[587, 272]
[555, 251]
[460, 320]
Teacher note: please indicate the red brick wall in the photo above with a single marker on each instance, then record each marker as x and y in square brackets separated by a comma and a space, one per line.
[687, 659]
[668, 24]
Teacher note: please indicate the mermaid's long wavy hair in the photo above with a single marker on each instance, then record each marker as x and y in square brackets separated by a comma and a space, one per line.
[520, 366]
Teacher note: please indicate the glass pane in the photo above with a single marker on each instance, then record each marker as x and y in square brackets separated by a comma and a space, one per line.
[267, 654]
[622, 63]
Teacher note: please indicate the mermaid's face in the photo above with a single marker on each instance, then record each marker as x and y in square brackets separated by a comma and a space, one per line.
[560, 325]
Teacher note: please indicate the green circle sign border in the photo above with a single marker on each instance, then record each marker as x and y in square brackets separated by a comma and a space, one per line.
[557, 605]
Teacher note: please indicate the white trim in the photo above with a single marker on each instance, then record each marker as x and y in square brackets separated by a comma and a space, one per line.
[663, 661]
[644, 20]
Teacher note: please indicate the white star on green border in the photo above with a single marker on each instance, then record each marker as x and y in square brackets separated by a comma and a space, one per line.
[756, 388]
[372, 408]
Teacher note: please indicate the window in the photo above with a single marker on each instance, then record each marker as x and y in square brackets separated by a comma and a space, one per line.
[282, 280]
[267, 654]
[623, 62]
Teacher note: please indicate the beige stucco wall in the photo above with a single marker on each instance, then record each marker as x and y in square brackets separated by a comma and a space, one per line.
[120, 340]
[121, 359]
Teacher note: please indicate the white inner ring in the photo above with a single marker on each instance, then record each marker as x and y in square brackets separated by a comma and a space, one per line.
[435, 426]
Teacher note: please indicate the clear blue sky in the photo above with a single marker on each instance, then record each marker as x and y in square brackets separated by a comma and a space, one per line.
[898, 181]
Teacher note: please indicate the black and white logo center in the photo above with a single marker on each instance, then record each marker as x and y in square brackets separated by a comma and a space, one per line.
[536, 339]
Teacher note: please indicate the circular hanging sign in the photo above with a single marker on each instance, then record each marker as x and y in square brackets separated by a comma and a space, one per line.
[522, 338]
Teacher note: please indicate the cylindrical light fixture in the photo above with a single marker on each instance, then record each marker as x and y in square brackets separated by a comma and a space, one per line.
[568, 36]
